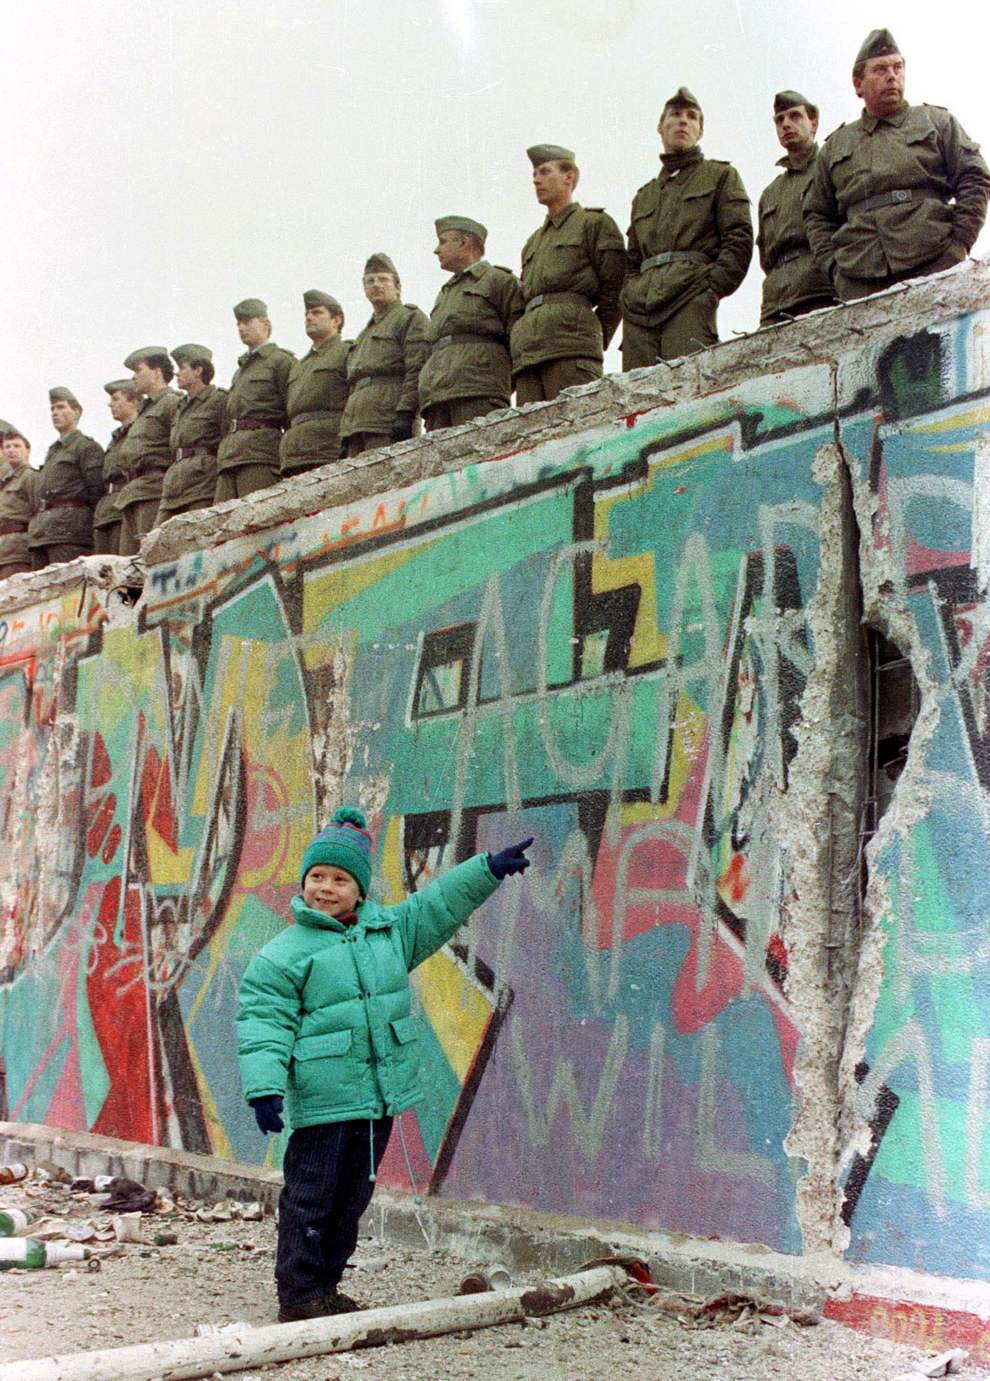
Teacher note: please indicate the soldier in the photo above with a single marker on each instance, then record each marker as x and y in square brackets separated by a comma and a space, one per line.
[16, 478]
[794, 283]
[65, 490]
[690, 243]
[572, 271]
[248, 456]
[124, 403]
[317, 389]
[383, 365]
[198, 425]
[468, 372]
[901, 193]
[145, 449]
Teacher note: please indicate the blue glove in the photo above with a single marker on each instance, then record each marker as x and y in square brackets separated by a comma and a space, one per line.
[266, 1112]
[510, 860]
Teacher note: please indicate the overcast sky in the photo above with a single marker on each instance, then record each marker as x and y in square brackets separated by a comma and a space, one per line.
[166, 161]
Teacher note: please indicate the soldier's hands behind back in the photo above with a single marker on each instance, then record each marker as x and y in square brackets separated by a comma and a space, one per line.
[266, 1112]
[510, 860]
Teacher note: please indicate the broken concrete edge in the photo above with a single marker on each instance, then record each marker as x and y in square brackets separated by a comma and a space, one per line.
[552, 1244]
[103, 574]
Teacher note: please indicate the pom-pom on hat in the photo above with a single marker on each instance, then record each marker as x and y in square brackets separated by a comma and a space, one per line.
[345, 843]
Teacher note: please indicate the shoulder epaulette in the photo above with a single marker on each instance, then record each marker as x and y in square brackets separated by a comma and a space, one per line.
[502, 268]
[596, 210]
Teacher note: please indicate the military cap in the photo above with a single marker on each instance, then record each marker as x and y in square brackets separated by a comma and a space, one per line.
[878, 43]
[250, 307]
[144, 355]
[192, 354]
[64, 395]
[120, 386]
[380, 263]
[682, 97]
[7, 429]
[786, 100]
[549, 153]
[312, 297]
[462, 223]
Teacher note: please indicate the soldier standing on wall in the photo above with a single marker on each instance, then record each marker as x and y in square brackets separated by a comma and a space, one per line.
[468, 372]
[16, 477]
[198, 425]
[145, 449]
[66, 488]
[690, 243]
[248, 455]
[572, 271]
[794, 282]
[383, 365]
[317, 389]
[899, 194]
[124, 404]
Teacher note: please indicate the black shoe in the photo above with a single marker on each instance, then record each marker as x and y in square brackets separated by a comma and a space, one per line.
[336, 1303]
[309, 1309]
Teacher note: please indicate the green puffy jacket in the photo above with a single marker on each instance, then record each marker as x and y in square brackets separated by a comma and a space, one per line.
[325, 1015]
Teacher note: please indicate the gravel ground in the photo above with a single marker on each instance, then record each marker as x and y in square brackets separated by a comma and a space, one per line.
[221, 1272]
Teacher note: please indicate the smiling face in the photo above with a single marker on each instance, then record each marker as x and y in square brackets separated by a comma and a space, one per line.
[331, 890]
[16, 451]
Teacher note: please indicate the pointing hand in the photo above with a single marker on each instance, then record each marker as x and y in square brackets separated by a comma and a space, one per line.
[510, 860]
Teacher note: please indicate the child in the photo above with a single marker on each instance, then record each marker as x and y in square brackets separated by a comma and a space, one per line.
[325, 1019]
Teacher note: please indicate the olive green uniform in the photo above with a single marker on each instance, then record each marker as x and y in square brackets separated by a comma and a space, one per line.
[315, 404]
[877, 210]
[794, 281]
[248, 456]
[15, 515]
[695, 218]
[382, 376]
[572, 272]
[64, 493]
[106, 515]
[468, 372]
[147, 454]
[197, 428]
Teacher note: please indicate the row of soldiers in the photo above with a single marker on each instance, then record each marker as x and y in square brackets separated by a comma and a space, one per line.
[901, 192]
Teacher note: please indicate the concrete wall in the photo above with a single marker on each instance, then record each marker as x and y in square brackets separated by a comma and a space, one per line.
[630, 624]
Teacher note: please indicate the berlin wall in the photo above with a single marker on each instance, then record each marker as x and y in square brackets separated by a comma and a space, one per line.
[717, 635]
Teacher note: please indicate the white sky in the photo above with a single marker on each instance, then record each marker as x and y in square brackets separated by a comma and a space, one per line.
[165, 161]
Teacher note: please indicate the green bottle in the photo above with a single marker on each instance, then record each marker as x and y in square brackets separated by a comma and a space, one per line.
[28, 1254]
[14, 1221]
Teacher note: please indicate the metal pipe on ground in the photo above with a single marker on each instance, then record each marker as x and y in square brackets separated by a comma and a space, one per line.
[287, 1342]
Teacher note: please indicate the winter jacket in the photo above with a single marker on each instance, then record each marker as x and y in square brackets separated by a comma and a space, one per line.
[325, 1008]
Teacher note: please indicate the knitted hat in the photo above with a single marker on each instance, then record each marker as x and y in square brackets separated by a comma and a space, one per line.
[345, 843]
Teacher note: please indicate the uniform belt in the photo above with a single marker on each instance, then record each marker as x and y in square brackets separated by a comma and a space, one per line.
[693, 255]
[184, 452]
[790, 254]
[47, 505]
[469, 338]
[254, 424]
[897, 197]
[312, 416]
[373, 378]
[579, 298]
[8, 529]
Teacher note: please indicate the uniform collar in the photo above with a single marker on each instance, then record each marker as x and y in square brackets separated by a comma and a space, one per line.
[191, 399]
[790, 167]
[870, 122]
[561, 216]
[258, 353]
[472, 271]
[321, 349]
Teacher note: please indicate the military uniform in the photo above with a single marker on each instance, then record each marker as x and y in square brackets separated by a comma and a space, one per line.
[107, 516]
[146, 452]
[64, 493]
[248, 456]
[794, 280]
[197, 428]
[315, 402]
[15, 515]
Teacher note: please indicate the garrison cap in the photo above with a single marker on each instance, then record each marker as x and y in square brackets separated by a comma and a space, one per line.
[681, 97]
[878, 43]
[312, 297]
[144, 355]
[192, 354]
[463, 223]
[549, 153]
[380, 263]
[8, 429]
[64, 395]
[251, 307]
[120, 386]
[786, 100]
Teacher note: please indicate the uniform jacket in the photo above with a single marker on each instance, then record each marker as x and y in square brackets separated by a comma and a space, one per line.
[793, 274]
[581, 251]
[73, 469]
[257, 391]
[317, 383]
[919, 149]
[15, 507]
[199, 423]
[479, 308]
[324, 1008]
[106, 512]
[145, 449]
[389, 352]
[700, 207]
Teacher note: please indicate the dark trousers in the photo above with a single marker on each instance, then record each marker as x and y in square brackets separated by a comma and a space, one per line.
[327, 1188]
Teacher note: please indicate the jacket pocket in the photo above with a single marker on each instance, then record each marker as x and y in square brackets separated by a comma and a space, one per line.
[404, 1029]
[322, 1047]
